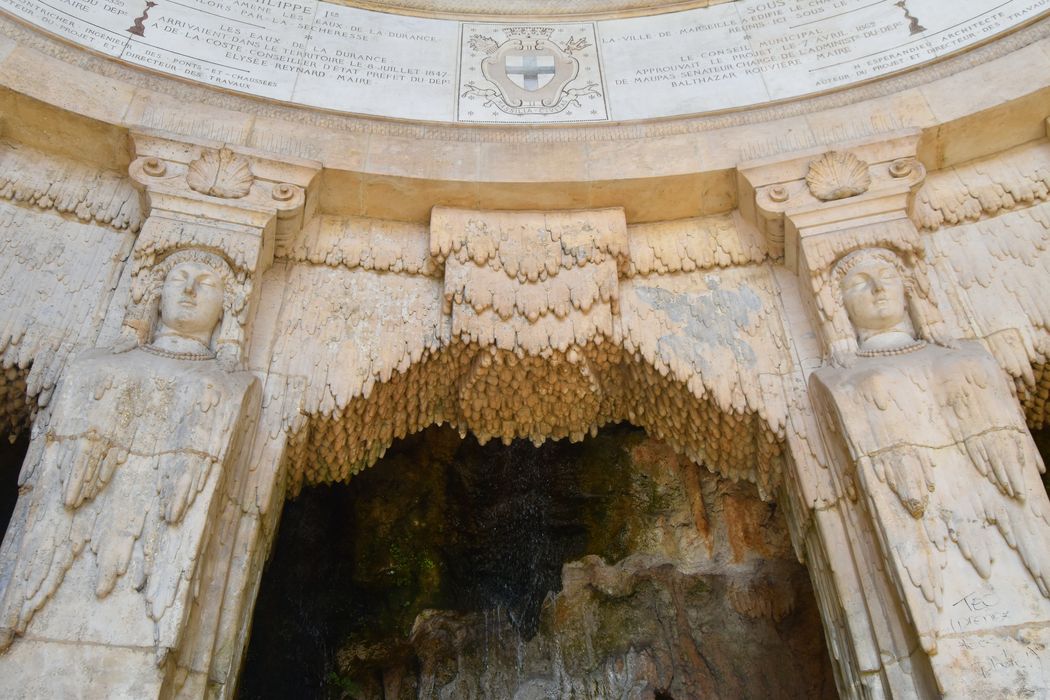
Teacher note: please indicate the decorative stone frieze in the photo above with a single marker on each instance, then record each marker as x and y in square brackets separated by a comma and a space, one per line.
[530, 281]
[31, 176]
[528, 325]
[980, 189]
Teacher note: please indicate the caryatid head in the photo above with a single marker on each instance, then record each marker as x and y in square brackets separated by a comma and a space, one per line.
[874, 296]
[191, 301]
[194, 295]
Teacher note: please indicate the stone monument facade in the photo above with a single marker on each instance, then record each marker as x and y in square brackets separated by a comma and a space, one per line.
[257, 264]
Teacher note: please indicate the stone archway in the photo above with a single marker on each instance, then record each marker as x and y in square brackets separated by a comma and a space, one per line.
[534, 326]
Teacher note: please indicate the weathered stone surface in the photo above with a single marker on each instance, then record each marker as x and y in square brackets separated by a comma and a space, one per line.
[569, 278]
[120, 489]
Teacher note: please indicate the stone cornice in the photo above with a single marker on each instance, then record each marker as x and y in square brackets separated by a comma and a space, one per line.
[523, 10]
[184, 91]
[399, 171]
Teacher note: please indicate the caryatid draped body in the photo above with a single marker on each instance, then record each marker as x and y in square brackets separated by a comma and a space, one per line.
[118, 491]
[940, 455]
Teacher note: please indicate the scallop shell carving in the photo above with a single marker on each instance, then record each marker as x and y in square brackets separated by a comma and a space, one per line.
[220, 173]
[838, 175]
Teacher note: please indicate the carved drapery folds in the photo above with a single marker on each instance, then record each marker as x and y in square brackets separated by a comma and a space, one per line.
[938, 454]
[938, 476]
[987, 225]
[136, 439]
[75, 257]
[135, 470]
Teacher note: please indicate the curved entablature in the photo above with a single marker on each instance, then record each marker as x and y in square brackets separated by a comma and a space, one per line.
[530, 324]
[659, 171]
[709, 59]
[529, 10]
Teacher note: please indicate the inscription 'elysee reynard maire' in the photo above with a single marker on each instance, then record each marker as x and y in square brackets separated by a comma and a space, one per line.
[337, 57]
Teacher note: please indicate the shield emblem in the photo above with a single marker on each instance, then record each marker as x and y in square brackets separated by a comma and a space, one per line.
[530, 71]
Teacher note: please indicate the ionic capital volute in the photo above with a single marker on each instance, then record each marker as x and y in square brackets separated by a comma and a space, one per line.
[819, 191]
[228, 186]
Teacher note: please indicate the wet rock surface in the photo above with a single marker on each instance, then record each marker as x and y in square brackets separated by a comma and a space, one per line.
[611, 568]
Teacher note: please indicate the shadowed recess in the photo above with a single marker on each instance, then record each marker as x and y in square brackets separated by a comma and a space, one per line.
[453, 569]
[12, 453]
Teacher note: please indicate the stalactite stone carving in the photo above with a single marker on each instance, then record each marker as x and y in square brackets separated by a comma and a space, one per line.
[541, 325]
[220, 173]
[838, 175]
[948, 473]
[121, 484]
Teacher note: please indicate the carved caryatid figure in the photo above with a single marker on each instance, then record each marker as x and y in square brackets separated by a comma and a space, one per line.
[940, 452]
[120, 485]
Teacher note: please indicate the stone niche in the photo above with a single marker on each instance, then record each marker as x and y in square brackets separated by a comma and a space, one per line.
[608, 568]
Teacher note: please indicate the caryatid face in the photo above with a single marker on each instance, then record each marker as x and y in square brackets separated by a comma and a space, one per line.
[873, 294]
[191, 300]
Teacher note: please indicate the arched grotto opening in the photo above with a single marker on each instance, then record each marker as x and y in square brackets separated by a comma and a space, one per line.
[1042, 441]
[612, 567]
[15, 412]
[12, 454]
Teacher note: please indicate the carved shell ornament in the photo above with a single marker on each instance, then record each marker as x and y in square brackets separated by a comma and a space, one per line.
[837, 175]
[220, 173]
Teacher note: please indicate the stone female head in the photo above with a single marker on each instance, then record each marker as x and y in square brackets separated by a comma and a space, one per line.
[874, 293]
[192, 303]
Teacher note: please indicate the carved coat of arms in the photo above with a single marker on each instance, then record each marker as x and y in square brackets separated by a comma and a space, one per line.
[531, 73]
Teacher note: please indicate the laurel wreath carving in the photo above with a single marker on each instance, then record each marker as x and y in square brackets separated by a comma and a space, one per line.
[837, 175]
[220, 173]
